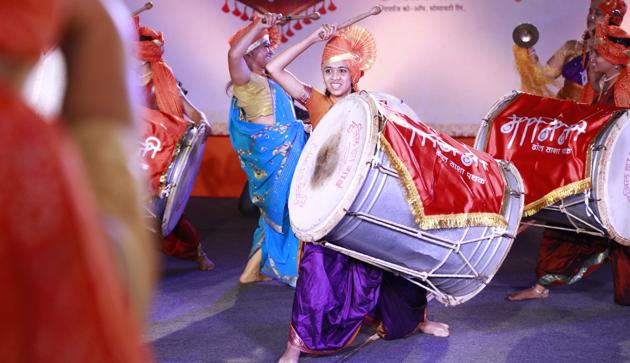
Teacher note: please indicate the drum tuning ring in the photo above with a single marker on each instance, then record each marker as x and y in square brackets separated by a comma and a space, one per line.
[599, 147]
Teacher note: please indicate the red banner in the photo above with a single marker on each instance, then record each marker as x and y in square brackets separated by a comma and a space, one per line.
[448, 184]
[548, 140]
[162, 133]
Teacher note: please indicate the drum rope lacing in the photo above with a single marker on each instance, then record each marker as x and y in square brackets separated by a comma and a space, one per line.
[454, 247]
[574, 219]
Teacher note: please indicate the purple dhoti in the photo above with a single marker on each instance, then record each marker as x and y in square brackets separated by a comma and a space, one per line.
[335, 293]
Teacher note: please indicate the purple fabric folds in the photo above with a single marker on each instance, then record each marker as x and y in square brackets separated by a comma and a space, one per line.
[334, 294]
[574, 71]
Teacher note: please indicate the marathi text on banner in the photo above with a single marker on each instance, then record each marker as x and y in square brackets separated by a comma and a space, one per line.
[448, 184]
[548, 140]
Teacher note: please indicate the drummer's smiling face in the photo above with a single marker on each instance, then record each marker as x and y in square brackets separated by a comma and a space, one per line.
[337, 79]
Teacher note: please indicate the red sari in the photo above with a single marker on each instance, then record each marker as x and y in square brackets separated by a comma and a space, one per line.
[62, 298]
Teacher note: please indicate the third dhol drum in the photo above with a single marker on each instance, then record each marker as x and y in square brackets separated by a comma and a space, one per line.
[574, 159]
[378, 185]
[172, 151]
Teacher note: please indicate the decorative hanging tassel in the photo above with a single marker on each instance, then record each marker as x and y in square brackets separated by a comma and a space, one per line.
[290, 32]
[307, 21]
[226, 7]
[322, 10]
[245, 17]
[236, 12]
[284, 39]
[298, 25]
[332, 6]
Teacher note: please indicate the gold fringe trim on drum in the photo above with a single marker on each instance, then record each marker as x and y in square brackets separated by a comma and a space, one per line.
[438, 220]
[556, 195]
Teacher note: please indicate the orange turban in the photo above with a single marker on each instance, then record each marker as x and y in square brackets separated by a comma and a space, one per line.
[270, 34]
[614, 10]
[610, 41]
[356, 46]
[151, 48]
[165, 87]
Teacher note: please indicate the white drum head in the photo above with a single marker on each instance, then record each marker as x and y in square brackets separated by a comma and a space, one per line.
[333, 167]
[612, 183]
[181, 176]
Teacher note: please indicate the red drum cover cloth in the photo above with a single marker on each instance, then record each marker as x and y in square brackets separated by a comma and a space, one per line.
[456, 185]
[548, 140]
[162, 133]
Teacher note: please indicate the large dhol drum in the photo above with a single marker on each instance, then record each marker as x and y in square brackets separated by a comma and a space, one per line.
[172, 151]
[599, 203]
[346, 195]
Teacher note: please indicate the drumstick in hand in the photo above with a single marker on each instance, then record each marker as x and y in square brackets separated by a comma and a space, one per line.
[147, 6]
[288, 18]
[374, 11]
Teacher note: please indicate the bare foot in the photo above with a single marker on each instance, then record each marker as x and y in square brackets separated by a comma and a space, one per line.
[253, 278]
[251, 273]
[204, 263]
[434, 328]
[535, 292]
[290, 355]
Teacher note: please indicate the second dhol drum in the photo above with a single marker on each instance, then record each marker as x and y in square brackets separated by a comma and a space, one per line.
[172, 151]
[356, 190]
[574, 159]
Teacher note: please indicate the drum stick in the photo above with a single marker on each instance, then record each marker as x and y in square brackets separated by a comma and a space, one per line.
[147, 6]
[374, 11]
[288, 18]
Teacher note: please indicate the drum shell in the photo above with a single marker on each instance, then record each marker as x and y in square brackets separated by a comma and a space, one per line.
[589, 210]
[177, 181]
[428, 253]
[376, 224]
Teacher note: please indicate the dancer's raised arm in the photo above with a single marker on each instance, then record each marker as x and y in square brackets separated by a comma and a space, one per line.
[277, 66]
[239, 65]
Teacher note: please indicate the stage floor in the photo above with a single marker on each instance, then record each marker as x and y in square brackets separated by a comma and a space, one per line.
[202, 316]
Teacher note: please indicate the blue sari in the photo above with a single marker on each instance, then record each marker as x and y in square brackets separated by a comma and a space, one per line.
[268, 155]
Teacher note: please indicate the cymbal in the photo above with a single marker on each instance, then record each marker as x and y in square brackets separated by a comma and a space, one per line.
[525, 35]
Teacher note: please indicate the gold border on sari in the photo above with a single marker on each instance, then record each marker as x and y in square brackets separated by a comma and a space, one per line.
[295, 339]
[412, 196]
